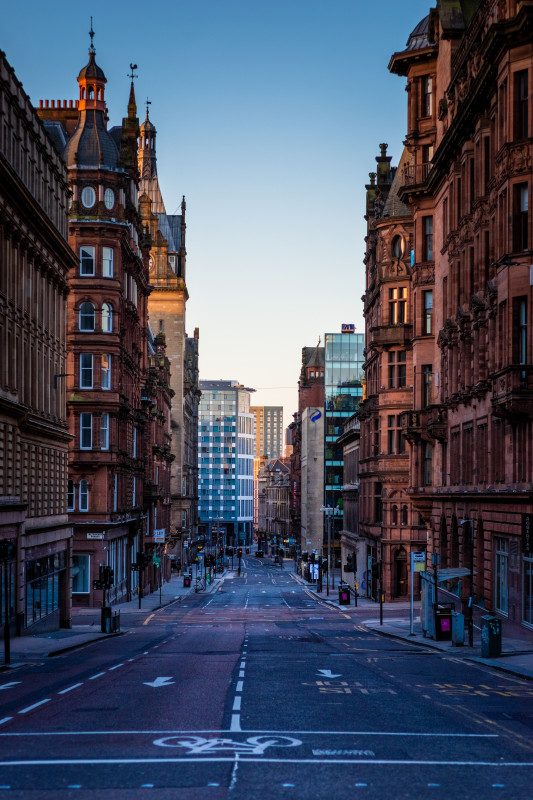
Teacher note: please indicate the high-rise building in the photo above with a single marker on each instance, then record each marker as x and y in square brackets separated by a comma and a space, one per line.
[226, 444]
[310, 396]
[343, 367]
[268, 431]
[35, 575]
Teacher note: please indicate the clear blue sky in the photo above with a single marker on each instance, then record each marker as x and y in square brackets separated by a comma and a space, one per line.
[269, 114]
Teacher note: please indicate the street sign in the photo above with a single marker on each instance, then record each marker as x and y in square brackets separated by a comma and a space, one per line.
[420, 556]
[96, 535]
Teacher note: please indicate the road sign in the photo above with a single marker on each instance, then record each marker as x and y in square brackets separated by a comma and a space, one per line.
[419, 556]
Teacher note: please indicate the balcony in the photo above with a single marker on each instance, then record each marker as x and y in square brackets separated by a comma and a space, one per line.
[512, 392]
[437, 423]
[385, 335]
[415, 174]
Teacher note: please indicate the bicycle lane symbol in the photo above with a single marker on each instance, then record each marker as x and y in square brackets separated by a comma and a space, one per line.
[254, 745]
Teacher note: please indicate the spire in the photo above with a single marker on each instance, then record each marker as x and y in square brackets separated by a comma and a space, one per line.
[92, 51]
[132, 105]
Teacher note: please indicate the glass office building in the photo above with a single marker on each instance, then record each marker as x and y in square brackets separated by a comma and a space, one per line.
[226, 451]
[344, 360]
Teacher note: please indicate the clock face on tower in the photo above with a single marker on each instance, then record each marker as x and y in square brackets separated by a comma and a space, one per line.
[109, 199]
[88, 197]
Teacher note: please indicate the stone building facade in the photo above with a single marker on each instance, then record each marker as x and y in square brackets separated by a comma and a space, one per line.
[35, 261]
[166, 308]
[469, 70]
[108, 346]
[389, 527]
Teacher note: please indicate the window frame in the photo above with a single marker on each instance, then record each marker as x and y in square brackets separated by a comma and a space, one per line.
[105, 372]
[86, 430]
[82, 314]
[85, 370]
[87, 257]
[83, 492]
[104, 430]
[107, 259]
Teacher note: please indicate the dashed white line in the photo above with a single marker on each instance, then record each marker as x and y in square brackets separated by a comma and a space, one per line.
[5, 719]
[70, 688]
[35, 705]
[239, 686]
[235, 726]
[241, 674]
[98, 675]
[116, 667]
[237, 704]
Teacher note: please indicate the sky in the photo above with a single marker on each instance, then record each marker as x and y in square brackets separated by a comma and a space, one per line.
[269, 116]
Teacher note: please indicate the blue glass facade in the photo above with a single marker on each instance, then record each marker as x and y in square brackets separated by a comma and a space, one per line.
[226, 450]
[344, 360]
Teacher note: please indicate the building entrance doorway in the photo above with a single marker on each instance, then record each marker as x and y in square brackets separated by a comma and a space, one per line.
[400, 572]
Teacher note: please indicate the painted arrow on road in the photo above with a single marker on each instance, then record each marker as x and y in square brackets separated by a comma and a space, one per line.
[327, 673]
[159, 682]
[7, 685]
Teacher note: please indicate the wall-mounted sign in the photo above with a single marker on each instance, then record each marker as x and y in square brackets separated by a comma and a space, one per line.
[315, 416]
[96, 535]
[159, 535]
[527, 534]
[347, 327]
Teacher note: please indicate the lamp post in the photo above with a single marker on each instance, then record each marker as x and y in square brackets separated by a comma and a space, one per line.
[468, 533]
[329, 512]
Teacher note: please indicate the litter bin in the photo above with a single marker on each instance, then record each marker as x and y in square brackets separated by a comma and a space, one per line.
[491, 636]
[344, 594]
[186, 581]
[443, 621]
[458, 629]
[106, 620]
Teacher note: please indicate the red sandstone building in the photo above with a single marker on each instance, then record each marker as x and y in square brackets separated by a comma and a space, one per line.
[117, 400]
[469, 70]
[389, 527]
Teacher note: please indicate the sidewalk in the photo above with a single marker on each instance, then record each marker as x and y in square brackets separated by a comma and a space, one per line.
[517, 649]
[86, 624]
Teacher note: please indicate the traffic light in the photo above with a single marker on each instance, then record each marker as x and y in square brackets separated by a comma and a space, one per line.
[221, 550]
[376, 571]
[349, 563]
[239, 552]
[324, 565]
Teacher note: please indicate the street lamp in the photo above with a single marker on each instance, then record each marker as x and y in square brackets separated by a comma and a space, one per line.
[468, 534]
[329, 512]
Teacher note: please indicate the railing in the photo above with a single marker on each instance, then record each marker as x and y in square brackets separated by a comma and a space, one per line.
[414, 174]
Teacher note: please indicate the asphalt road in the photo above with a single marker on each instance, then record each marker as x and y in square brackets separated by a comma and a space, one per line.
[260, 691]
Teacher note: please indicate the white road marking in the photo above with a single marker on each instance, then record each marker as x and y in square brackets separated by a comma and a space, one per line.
[316, 761]
[35, 705]
[235, 723]
[243, 664]
[116, 666]
[239, 686]
[259, 731]
[234, 773]
[8, 685]
[237, 704]
[99, 675]
[241, 674]
[5, 719]
[70, 688]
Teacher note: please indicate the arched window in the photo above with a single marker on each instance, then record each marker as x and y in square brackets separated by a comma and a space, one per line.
[397, 247]
[107, 317]
[86, 321]
[84, 495]
[394, 516]
[83, 94]
[91, 93]
[404, 515]
[99, 93]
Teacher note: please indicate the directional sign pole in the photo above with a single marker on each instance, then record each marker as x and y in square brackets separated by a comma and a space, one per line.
[411, 631]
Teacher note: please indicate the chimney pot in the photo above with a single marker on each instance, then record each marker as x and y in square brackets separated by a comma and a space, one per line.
[46, 103]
